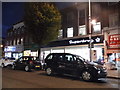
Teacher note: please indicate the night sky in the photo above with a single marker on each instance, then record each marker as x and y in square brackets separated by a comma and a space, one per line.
[13, 12]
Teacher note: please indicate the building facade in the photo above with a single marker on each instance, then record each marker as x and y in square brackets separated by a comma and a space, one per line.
[74, 34]
[19, 43]
[112, 34]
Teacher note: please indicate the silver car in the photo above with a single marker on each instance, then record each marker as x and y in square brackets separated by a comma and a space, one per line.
[6, 61]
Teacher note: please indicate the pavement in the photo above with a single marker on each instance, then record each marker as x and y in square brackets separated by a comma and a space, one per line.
[114, 73]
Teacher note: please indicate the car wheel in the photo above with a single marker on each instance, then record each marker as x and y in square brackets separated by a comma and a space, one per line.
[27, 68]
[49, 71]
[2, 65]
[86, 76]
[13, 67]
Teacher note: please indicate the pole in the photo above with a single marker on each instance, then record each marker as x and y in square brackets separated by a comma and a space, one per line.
[90, 31]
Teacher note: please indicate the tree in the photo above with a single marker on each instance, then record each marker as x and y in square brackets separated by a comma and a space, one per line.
[42, 21]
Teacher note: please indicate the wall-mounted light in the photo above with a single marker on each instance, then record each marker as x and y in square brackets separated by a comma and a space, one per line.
[93, 22]
[1, 46]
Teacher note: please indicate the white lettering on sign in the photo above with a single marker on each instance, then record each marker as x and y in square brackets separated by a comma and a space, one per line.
[83, 41]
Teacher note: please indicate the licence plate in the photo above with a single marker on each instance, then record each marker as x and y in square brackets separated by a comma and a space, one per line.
[37, 66]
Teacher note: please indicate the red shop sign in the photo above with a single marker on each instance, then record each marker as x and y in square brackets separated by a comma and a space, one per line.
[114, 41]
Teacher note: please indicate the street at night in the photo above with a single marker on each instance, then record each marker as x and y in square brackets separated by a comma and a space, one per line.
[38, 79]
[64, 38]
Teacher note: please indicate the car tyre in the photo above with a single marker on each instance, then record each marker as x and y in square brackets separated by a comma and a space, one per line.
[13, 67]
[27, 68]
[49, 71]
[2, 65]
[86, 76]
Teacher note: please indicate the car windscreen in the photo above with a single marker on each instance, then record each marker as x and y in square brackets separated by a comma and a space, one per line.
[81, 58]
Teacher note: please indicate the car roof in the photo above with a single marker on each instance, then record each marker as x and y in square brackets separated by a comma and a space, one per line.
[28, 56]
[63, 53]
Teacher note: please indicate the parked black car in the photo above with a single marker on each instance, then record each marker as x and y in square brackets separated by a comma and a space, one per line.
[27, 63]
[65, 63]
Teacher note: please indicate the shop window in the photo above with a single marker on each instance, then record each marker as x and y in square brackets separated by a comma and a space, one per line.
[82, 30]
[70, 32]
[97, 27]
[60, 34]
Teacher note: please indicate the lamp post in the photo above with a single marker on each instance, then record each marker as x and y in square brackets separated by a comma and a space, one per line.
[90, 32]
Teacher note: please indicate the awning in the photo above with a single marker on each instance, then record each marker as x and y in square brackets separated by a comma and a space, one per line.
[113, 50]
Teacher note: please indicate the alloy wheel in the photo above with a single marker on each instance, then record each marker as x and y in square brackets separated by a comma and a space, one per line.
[13, 67]
[49, 71]
[86, 76]
[26, 68]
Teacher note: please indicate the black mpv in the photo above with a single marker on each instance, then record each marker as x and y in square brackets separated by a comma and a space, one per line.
[69, 64]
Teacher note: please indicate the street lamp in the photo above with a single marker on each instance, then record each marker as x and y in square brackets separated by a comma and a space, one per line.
[90, 36]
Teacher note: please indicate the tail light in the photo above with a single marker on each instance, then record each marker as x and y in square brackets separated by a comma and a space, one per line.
[31, 62]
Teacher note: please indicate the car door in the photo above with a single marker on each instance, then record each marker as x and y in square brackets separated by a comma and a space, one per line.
[69, 64]
[60, 63]
[19, 63]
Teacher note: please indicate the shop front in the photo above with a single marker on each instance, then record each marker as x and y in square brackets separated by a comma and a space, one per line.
[78, 46]
[113, 50]
[30, 53]
[13, 51]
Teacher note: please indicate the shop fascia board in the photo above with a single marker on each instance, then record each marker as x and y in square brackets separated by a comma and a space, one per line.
[63, 47]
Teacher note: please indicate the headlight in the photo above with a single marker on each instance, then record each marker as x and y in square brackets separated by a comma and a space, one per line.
[96, 68]
[98, 71]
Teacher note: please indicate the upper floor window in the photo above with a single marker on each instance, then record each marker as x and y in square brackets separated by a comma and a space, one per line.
[21, 41]
[60, 34]
[14, 42]
[18, 41]
[70, 17]
[81, 13]
[113, 20]
[97, 27]
[70, 32]
[82, 30]
[22, 29]
[8, 34]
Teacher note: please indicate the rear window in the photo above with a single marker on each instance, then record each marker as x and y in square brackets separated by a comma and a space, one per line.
[28, 58]
[11, 58]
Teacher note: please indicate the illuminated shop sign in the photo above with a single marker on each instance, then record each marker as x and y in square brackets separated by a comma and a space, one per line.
[10, 49]
[76, 41]
[27, 53]
[114, 41]
[17, 48]
[82, 41]
[34, 54]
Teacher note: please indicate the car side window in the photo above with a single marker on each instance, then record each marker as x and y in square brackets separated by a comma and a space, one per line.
[49, 57]
[69, 58]
[19, 60]
[78, 60]
[60, 57]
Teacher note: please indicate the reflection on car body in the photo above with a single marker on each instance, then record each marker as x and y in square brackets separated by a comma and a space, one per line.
[65, 63]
